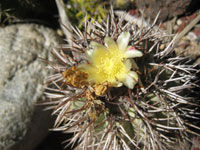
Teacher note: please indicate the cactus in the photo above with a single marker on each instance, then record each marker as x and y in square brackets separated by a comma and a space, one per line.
[115, 88]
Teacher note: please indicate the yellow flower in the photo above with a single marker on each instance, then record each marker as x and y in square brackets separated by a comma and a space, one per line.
[111, 63]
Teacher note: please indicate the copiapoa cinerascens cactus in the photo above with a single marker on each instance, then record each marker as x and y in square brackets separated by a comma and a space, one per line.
[114, 88]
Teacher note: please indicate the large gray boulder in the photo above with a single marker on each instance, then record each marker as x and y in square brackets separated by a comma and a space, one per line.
[23, 124]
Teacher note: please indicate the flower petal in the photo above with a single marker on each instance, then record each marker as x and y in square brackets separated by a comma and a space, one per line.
[83, 67]
[133, 53]
[110, 43]
[96, 46]
[134, 75]
[129, 82]
[89, 69]
[123, 40]
[89, 52]
[118, 84]
[128, 64]
[96, 51]
[131, 79]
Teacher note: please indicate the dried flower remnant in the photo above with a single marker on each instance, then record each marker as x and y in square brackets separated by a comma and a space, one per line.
[115, 89]
[76, 78]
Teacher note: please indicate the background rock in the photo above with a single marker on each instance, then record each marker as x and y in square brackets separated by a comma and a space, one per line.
[22, 124]
[169, 8]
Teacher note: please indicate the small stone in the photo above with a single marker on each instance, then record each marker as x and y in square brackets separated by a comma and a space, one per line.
[191, 36]
[179, 22]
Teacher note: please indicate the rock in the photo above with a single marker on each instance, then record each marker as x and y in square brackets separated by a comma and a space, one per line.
[169, 8]
[22, 123]
[189, 47]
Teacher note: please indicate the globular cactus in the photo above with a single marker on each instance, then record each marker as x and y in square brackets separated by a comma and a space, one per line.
[115, 88]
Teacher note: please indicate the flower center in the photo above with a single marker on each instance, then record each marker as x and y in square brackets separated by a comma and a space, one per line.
[109, 65]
